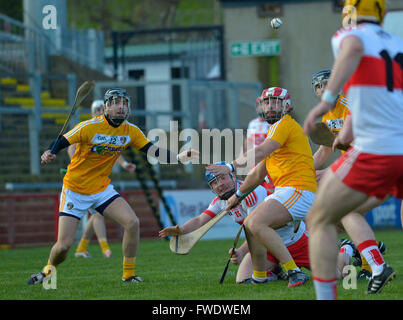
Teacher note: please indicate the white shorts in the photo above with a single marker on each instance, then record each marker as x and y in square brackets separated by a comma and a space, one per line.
[296, 201]
[77, 205]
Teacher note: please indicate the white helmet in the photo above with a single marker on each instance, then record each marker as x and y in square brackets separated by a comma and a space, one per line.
[280, 94]
[96, 105]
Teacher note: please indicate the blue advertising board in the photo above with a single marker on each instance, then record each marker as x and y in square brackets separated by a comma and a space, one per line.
[386, 215]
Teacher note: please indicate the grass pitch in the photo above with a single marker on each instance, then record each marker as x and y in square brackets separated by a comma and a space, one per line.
[168, 276]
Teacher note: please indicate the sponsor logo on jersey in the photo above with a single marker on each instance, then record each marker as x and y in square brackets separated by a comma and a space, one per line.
[107, 150]
[111, 139]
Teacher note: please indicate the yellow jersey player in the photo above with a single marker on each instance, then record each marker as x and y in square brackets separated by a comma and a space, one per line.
[334, 119]
[100, 141]
[96, 221]
[287, 156]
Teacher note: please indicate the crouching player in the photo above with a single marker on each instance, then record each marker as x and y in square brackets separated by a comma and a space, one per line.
[293, 233]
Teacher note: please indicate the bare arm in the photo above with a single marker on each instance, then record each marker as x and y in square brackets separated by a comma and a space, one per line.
[345, 135]
[257, 154]
[320, 156]
[188, 227]
[254, 178]
[249, 158]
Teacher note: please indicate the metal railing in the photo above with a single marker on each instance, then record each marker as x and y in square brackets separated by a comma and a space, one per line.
[27, 49]
[198, 105]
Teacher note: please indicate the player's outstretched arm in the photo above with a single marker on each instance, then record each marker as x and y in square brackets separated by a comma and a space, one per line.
[188, 227]
[166, 156]
[248, 159]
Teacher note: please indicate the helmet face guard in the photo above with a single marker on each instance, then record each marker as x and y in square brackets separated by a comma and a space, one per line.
[117, 105]
[231, 187]
[319, 78]
[260, 107]
[277, 103]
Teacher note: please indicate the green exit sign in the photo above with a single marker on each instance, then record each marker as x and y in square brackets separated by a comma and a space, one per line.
[256, 48]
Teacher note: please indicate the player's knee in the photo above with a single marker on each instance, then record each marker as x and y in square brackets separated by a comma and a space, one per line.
[252, 225]
[132, 223]
[316, 217]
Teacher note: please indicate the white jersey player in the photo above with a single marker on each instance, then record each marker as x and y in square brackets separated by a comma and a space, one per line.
[257, 128]
[224, 186]
[369, 64]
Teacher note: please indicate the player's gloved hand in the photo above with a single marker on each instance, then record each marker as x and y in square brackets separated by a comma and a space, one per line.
[47, 157]
[236, 256]
[170, 231]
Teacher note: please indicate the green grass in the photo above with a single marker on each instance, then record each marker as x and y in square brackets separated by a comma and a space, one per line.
[167, 276]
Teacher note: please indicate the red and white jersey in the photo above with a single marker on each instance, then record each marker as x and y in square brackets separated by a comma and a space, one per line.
[239, 213]
[257, 132]
[375, 90]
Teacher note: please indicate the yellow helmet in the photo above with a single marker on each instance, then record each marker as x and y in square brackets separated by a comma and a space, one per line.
[371, 10]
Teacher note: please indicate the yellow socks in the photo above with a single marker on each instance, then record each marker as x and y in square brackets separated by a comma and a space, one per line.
[48, 268]
[104, 245]
[290, 265]
[82, 247]
[128, 267]
[365, 265]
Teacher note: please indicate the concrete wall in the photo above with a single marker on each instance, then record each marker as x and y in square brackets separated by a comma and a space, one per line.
[305, 47]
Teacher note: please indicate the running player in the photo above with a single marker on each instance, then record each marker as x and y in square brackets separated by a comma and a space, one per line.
[373, 166]
[86, 184]
[287, 156]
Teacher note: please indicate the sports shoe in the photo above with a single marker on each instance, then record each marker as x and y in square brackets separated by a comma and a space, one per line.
[36, 278]
[133, 279]
[246, 281]
[281, 275]
[382, 247]
[107, 253]
[377, 283]
[364, 275]
[296, 278]
[356, 254]
[84, 254]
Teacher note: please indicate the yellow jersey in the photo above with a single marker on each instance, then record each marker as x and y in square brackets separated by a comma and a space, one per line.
[291, 165]
[334, 119]
[98, 146]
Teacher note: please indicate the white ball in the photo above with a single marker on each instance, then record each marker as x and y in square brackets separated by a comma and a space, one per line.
[276, 23]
